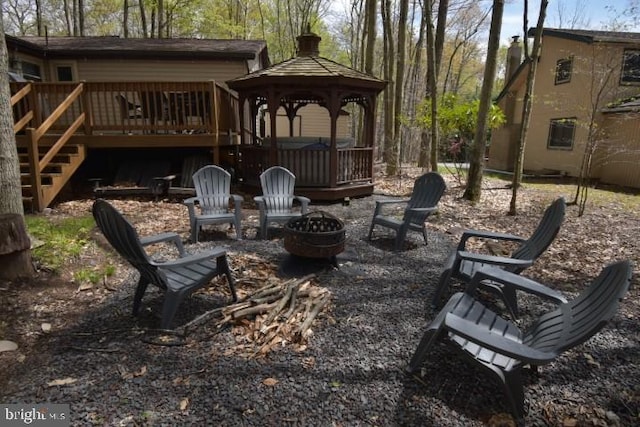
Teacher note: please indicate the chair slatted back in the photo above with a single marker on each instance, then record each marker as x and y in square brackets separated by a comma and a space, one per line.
[543, 235]
[427, 191]
[124, 239]
[578, 320]
[213, 188]
[278, 185]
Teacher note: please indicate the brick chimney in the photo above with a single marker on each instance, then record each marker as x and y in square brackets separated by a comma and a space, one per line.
[514, 58]
[308, 43]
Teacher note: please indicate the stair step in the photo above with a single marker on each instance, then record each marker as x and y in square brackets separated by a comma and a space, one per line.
[58, 158]
[66, 149]
[51, 168]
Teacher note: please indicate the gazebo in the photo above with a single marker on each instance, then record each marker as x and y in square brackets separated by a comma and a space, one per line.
[327, 167]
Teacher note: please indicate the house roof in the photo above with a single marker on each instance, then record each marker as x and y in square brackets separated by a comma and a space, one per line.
[585, 36]
[137, 48]
[589, 36]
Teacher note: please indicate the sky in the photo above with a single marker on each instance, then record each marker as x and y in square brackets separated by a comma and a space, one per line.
[594, 15]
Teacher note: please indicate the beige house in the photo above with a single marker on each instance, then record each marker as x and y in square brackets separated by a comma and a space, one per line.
[584, 96]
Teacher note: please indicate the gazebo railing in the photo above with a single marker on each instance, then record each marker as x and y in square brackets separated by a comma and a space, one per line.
[311, 167]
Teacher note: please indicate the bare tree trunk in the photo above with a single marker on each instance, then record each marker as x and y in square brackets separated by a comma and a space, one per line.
[390, 145]
[432, 86]
[10, 187]
[476, 166]
[526, 109]
[39, 26]
[143, 19]
[81, 17]
[15, 253]
[125, 19]
[400, 66]
[161, 22]
[67, 17]
[371, 35]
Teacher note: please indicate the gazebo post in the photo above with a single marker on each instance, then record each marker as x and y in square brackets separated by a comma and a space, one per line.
[273, 103]
[334, 109]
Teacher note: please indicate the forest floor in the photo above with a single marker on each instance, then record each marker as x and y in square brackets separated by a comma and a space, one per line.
[78, 343]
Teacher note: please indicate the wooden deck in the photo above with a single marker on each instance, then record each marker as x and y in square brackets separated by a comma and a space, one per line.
[95, 117]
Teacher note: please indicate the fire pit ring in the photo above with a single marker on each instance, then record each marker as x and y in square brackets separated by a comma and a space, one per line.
[314, 235]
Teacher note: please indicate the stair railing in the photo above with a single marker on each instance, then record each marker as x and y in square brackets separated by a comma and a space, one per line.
[37, 165]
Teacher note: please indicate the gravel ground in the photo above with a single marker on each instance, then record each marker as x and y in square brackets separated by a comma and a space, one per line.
[351, 373]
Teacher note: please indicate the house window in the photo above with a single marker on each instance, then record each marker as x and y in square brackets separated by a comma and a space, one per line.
[561, 133]
[64, 73]
[31, 71]
[563, 70]
[630, 66]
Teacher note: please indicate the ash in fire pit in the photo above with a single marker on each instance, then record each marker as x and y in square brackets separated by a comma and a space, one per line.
[317, 235]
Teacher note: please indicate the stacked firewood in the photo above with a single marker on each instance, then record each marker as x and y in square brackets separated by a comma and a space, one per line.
[276, 315]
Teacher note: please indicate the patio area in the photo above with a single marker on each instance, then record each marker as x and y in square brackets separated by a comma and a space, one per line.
[351, 371]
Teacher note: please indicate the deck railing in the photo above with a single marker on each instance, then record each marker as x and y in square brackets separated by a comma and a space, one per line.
[312, 168]
[133, 107]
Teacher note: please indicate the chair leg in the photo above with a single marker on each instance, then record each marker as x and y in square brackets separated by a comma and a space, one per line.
[137, 298]
[172, 300]
[443, 282]
[371, 229]
[424, 234]
[401, 236]
[514, 390]
[510, 300]
[195, 228]
[419, 356]
[222, 266]
[238, 225]
[263, 228]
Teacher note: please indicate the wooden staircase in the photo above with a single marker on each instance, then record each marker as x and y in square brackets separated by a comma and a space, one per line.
[53, 177]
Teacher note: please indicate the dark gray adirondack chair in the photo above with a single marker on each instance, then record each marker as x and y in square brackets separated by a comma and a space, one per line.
[462, 264]
[426, 193]
[501, 347]
[276, 202]
[177, 278]
[213, 193]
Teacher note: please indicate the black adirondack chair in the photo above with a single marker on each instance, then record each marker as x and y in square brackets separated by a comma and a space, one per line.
[426, 193]
[462, 264]
[501, 347]
[177, 278]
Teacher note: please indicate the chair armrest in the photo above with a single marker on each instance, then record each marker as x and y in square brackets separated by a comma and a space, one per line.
[485, 234]
[516, 281]
[164, 237]
[193, 258]
[380, 204]
[423, 210]
[493, 259]
[259, 200]
[190, 201]
[498, 343]
[237, 200]
[304, 203]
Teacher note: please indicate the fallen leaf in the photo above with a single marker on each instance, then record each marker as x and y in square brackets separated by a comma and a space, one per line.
[46, 327]
[569, 422]
[141, 372]
[270, 381]
[62, 381]
[184, 403]
[85, 287]
[8, 346]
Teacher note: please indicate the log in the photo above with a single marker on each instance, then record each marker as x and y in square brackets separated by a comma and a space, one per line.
[15, 248]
